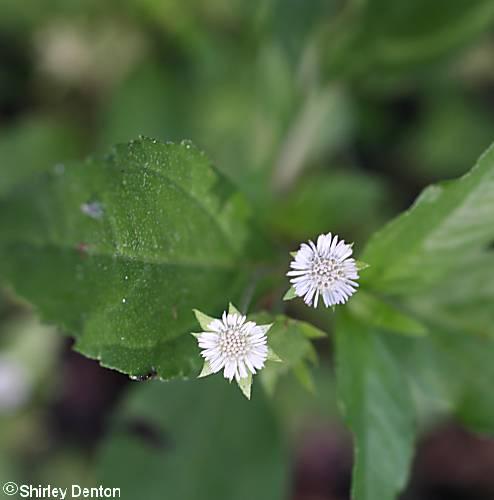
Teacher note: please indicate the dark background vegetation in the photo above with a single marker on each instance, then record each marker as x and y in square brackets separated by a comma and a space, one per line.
[329, 115]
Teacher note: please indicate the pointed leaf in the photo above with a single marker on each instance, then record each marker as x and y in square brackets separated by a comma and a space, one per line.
[203, 319]
[447, 225]
[290, 294]
[361, 265]
[245, 385]
[233, 310]
[272, 356]
[206, 370]
[265, 328]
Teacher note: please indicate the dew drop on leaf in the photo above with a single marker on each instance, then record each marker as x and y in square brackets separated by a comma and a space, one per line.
[93, 209]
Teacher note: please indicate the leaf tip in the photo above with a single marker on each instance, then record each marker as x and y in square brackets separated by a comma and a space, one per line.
[203, 319]
[233, 310]
[245, 385]
[290, 294]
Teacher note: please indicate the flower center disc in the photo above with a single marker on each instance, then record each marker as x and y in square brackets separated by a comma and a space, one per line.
[326, 271]
[233, 343]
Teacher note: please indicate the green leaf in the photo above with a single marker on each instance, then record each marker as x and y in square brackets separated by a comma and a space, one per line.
[272, 356]
[470, 389]
[203, 319]
[290, 340]
[303, 375]
[187, 450]
[310, 331]
[375, 312]
[290, 294]
[233, 310]
[461, 302]
[245, 385]
[377, 406]
[118, 251]
[361, 265]
[392, 34]
[452, 375]
[444, 229]
[206, 370]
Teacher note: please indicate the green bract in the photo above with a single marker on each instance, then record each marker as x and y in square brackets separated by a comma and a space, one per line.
[217, 357]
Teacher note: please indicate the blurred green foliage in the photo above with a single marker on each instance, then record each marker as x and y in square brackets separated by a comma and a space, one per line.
[325, 116]
[206, 431]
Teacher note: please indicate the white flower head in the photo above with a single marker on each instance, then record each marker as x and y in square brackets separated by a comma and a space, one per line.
[234, 345]
[325, 270]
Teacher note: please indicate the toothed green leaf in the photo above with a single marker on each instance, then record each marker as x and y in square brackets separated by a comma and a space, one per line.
[117, 251]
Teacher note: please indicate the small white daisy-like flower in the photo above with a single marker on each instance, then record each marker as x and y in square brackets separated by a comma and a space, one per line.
[232, 344]
[325, 270]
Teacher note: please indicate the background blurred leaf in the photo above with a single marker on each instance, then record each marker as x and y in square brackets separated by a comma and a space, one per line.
[374, 35]
[118, 252]
[320, 125]
[349, 202]
[451, 129]
[34, 145]
[198, 439]
[148, 102]
[447, 225]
